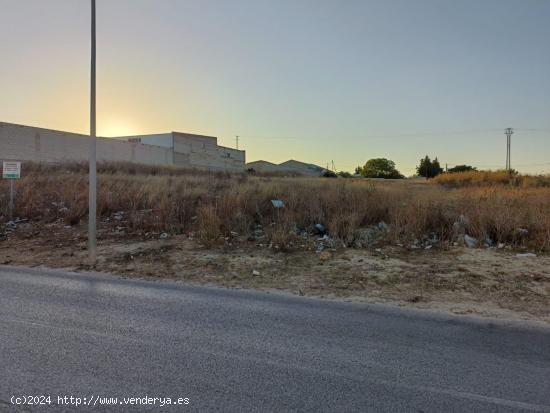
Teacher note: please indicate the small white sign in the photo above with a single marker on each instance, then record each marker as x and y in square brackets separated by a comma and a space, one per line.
[277, 203]
[11, 170]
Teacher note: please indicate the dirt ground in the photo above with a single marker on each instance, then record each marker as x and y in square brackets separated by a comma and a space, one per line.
[485, 282]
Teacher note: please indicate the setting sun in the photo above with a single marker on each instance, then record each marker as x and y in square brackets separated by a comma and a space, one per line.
[116, 127]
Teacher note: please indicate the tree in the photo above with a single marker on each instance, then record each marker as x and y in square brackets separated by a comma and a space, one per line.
[429, 168]
[423, 168]
[344, 174]
[381, 168]
[329, 174]
[462, 168]
[436, 168]
[358, 170]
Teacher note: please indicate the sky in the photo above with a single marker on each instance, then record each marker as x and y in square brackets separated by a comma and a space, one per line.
[320, 81]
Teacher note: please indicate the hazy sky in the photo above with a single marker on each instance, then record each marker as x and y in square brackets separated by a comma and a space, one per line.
[340, 80]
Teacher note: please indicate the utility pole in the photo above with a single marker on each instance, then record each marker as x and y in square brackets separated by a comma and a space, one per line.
[237, 141]
[92, 243]
[508, 132]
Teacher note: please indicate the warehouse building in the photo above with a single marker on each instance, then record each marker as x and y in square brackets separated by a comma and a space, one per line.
[195, 151]
[27, 143]
[291, 167]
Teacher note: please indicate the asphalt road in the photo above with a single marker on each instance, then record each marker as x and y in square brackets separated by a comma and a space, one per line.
[91, 336]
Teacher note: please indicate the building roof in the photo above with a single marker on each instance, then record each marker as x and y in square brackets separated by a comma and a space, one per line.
[291, 165]
[300, 164]
[261, 162]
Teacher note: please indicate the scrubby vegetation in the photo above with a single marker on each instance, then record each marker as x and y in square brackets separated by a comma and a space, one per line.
[380, 168]
[462, 168]
[500, 178]
[505, 209]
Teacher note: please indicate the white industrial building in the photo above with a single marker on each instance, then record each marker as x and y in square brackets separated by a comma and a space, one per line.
[195, 151]
[27, 143]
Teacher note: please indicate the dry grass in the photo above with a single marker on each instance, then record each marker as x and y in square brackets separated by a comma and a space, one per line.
[491, 178]
[215, 205]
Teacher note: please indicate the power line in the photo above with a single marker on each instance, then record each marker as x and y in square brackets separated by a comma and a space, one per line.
[396, 136]
[534, 130]
[404, 135]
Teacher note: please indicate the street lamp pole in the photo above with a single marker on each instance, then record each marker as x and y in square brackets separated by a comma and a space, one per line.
[509, 132]
[92, 253]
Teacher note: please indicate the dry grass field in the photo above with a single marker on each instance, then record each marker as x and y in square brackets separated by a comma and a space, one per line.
[399, 241]
[492, 179]
[215, 205]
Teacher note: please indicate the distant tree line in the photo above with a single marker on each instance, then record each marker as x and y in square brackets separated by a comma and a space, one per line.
[431, 169]
[386, 169]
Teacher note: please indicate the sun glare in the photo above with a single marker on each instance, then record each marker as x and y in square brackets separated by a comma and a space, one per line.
[114, 128]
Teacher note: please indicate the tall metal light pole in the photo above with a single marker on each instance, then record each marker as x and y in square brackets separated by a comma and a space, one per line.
[508, 132]
[92, 253]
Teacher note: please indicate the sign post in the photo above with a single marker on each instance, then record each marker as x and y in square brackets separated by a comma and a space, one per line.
[11, 171]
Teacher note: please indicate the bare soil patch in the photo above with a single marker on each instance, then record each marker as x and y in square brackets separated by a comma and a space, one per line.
[484, 281]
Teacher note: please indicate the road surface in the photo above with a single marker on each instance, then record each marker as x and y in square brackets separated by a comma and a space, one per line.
[97, 337]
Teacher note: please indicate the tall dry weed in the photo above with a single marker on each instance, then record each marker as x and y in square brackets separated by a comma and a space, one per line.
[214, 205]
